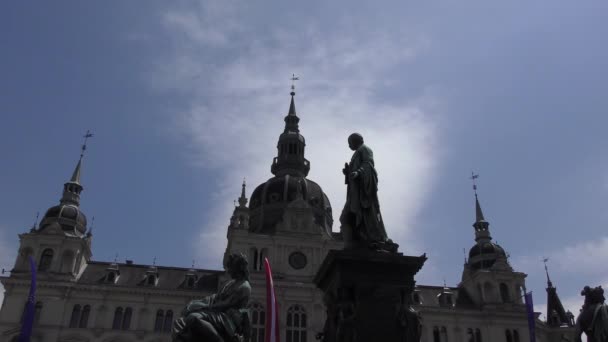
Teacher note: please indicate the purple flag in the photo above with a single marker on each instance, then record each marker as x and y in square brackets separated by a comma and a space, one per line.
[28, 315]
[531, 318]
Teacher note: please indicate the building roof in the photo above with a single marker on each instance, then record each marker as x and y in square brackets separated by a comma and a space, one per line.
[134, 275]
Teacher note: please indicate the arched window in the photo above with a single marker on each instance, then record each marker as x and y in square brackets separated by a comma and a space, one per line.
[45, 260]
[436, 337]
[444, 334]
[258, 322]
[515, 336]
[504, 293]
[126, 320]
[151, 280]
[75, 316]
[508, 335]
[158, 322]
[254, 257]
[84, 316]
[37, 312]
[168, 321]
[117, 318]
[477, 335]
[296, 324]
[263, 254]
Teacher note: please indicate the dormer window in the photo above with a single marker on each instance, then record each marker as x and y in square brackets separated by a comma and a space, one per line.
[112, 273]
[151, 280]
[190, 282]
[416, 298]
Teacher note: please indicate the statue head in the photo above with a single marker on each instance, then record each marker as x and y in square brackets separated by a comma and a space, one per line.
[355, 141]
[236, 265]
[593, 295]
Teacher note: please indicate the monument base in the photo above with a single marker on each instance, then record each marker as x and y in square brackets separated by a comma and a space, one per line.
[367, 296]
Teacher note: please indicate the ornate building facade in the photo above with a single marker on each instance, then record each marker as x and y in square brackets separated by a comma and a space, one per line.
[289, 220]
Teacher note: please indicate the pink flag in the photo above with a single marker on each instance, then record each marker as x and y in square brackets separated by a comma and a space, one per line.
[272, 307]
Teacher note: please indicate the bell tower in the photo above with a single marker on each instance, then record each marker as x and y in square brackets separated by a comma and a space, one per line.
[61, 243]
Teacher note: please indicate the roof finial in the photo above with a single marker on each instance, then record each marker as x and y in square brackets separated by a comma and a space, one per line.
[86, 136]
[293, 84]
[473, 178]
[192, 263]
[154, 262]
[35, 222]
[547, 272]
[116, 258]
[478, 213]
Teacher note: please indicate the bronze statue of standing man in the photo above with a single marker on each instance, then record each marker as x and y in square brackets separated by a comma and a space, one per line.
[362, 223]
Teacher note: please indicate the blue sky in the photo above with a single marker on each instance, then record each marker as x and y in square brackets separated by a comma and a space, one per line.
[187, 98]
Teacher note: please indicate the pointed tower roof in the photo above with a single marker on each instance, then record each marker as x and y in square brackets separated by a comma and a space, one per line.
[478, 213]
[292, 106]
[76, 174]
[243, 198]
[556, 314]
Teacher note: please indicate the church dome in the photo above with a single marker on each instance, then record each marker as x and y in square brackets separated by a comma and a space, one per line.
[270, 200]
[69, 217]
[485, 254]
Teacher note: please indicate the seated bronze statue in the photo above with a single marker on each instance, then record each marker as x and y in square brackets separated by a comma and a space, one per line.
[593, 319]
[222, 316]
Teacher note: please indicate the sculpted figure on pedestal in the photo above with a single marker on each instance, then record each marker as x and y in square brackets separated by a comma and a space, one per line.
[222, 316]
[362, 223]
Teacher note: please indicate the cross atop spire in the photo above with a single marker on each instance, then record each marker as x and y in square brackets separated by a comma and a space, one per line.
[293, 84]
[478, 213]
[473, 178]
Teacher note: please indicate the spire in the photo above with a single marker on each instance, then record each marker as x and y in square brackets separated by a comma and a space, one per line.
[72, 189]
[549, 283]
[556, 314]
[292, 106]
[243, 198]
[482, 232]
[291, 120]
[290, 157]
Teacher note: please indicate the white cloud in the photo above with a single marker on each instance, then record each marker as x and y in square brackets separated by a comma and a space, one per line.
[237, 107]
[583, 258]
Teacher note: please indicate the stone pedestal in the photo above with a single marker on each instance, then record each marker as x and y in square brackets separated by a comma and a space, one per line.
[367, 295]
